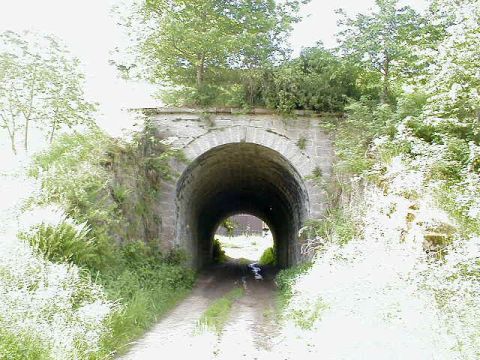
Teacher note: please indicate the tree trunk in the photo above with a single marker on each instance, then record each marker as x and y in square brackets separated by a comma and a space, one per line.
[200, 70]
[25, 138]
[30, 108]
[52, 132]
[386, 78]
[11, 133]
[12, 142]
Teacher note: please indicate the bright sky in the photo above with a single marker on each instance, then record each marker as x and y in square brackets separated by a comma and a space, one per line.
[90, 32]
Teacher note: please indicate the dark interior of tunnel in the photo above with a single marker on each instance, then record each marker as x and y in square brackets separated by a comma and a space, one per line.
[240, 178]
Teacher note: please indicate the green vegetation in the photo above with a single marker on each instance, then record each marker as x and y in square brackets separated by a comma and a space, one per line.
[336, 226]
[216, 316]
[316, 80]
[418, 108]
[302, 143]
[147, 285]
[304, 317]
[249, 65]
[80, 173]
[407, 85]
[62, 243]
[214, 51]
[229, 225]
[285, 280]
[143, 282]
[218, 253]
[105, 183]
[269, 257]
[21, 347]
[41, 87]
[382, 42]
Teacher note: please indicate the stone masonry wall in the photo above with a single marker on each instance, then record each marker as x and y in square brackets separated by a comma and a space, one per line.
[301, 140]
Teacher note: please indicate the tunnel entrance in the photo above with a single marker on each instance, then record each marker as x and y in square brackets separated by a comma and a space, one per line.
[245, 239]
[240, 178]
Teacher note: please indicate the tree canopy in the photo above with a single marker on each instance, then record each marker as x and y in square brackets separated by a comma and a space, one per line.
[206, 46]
[382, 41]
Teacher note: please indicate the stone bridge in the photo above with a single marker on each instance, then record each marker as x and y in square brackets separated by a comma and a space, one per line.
[257, 163]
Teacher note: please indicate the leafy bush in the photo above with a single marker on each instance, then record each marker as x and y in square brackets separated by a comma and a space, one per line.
[365, 120]
[218, 253]
[269, 257]
[229, 225]
[74, 174]
[337, 226]
[80, 173]
[316, 80]
[57, 304]
[108, 184]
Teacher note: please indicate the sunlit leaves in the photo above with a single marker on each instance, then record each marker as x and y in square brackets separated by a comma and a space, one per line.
[382, 41]
[206, 46]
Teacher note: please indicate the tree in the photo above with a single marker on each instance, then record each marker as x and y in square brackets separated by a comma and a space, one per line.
[40, 85]
[200, 44]
[383, 41]
[316, 80]
[453, 83]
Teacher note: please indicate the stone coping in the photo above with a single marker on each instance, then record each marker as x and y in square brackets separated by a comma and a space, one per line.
[232, 111]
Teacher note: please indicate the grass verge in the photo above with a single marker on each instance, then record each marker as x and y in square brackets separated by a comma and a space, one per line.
[146, 286]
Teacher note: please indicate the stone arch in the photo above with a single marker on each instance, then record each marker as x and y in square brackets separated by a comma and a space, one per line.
[255, 135]
[242, 169]
[301, 143]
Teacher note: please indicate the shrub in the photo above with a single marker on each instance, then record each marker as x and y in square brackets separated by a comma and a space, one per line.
[336, 226]
[218, 253]
[269, 257]
[147, 287]
[80, 173]
[229, 225]
[316, 80]
[57, 304]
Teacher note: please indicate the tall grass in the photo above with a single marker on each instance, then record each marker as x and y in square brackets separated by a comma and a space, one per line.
[62, 243]
[21, 346]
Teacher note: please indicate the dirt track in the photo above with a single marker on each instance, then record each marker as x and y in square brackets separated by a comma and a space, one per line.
[248, 334]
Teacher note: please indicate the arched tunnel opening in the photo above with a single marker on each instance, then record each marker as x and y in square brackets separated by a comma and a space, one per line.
[240, 178]
[242, 239]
